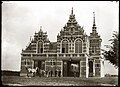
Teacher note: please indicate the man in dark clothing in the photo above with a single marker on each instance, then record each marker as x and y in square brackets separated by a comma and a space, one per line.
[40, 72]
[27, 71]
[37, 71]
[74, 74]
[51, 73]
[59, 73]
[56, 73]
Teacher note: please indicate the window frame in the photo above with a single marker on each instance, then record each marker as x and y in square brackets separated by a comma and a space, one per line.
[79, 47]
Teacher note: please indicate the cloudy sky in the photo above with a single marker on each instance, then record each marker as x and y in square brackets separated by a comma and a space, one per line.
[20, 20]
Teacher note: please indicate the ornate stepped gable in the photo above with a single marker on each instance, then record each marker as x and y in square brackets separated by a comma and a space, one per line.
[38, 37]
[95, 40]
[72, 27]
[71, 32]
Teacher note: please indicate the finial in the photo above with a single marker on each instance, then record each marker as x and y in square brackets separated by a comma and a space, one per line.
[30, 38]
[72, 11]
[46, 32]
[93, 18]
[40, 28]
[58, 34]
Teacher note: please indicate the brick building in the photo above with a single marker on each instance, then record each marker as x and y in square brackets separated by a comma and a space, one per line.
[74, 51]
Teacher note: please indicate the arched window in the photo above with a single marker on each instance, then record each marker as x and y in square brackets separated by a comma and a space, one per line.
[78, 46]
[64, 46]
[40, 47]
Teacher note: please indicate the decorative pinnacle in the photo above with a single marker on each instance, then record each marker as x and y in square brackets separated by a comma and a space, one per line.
[72, 11]
[40, 28]
[30, 38]
[94, 19]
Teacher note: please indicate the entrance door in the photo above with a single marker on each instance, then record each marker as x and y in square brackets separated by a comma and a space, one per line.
[90, 68]
[73, 69]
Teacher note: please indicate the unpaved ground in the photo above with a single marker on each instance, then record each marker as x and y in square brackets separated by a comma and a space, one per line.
[58, 81]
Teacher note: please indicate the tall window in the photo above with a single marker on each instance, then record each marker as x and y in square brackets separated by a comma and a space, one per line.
[78, 46]
[40, 47]
[64, 46]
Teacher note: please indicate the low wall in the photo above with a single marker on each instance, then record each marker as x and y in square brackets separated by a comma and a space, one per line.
[10, 73]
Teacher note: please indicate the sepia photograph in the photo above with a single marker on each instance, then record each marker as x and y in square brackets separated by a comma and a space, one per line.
[60, 43]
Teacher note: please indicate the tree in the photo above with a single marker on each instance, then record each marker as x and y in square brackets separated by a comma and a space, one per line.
[112, 53]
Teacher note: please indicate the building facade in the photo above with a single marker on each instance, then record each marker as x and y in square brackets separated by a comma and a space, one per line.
[74, 52]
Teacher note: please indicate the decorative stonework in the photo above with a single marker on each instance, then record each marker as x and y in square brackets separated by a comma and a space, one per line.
[73, 47]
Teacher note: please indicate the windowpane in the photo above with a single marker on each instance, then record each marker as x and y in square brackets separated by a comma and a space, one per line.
[78, 46]
[64, 46]
[58, 63]
[48, 63]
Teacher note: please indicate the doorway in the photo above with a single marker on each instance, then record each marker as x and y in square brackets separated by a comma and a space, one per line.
[90, 68]
[71, 69]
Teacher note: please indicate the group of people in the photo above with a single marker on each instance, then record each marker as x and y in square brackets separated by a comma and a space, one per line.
[42, 73]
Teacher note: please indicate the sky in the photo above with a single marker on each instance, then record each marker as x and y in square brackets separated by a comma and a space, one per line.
[21, 19]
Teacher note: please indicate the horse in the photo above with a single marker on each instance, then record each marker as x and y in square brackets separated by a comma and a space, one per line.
[36, 71]
[42, 72]
[33, 71]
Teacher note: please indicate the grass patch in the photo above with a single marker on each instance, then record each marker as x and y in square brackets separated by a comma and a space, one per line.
[59, 80]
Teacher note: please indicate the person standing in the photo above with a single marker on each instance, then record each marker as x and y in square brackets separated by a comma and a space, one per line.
[37, 71]
[59, 73]
[51, 73]
[27, 71]
[40, 72]
[74, 73]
